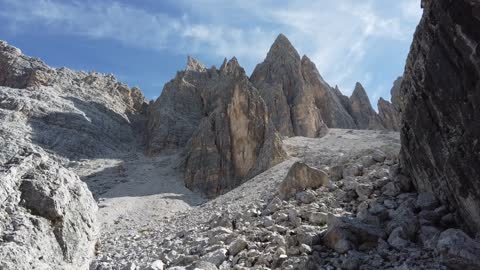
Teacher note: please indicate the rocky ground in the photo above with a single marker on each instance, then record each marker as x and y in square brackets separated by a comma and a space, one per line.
[366, 217]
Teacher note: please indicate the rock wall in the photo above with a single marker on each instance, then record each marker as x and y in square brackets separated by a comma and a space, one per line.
[441, 106]
[47, 215]
[49, 117]
[221, 121]
[290, 99]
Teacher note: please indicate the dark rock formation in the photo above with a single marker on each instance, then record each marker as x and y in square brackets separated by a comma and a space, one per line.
[361, 110]
[395, 93]
[441, 106]
[221, 120]
[389, 116]
[280, 82]
[333, 112]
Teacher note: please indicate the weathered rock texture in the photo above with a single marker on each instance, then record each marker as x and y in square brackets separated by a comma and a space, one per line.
[441, 106]
[221, 120]
[301, 177]
[47, 215]
[361, 110]
[301, 103]
[290, 99]
[389, 116]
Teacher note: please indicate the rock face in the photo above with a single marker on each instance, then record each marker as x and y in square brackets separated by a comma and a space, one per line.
[361, 109]
[49, 117]
[48, 215]
[300, 102]
[396, 95]
[389, 116]
[223, 123]
[441, 106]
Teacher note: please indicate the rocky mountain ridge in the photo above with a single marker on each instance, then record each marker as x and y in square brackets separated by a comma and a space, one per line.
[288, 189]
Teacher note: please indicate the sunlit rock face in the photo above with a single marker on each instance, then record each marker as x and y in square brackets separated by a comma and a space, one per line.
[221, 121]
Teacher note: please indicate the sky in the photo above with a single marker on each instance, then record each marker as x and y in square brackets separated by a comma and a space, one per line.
[145, 42]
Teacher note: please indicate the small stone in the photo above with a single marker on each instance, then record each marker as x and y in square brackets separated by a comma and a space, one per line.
[306, 197]
[391, 189]
[353, 170]
[397, 239]
[363, 191]
[303, 248]
[157, 265]
[216, 257]
[318, 218]
[379, 156]
[427, 201]
[237, 246]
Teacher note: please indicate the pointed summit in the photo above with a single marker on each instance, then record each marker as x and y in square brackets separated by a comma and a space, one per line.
[360, 94]
[231, 67]
[362, 110]
[194, 65]
[282, 49]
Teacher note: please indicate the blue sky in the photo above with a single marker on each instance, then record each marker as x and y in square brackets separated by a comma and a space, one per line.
[144, 42]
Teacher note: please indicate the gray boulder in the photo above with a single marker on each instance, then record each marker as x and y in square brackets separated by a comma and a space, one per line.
[458, 250]
[48, 215]
[301, 177]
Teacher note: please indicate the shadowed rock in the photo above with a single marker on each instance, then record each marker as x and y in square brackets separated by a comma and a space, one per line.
[361, 109]
[441, 106]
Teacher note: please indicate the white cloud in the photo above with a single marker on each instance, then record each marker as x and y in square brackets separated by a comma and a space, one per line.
[336, 34]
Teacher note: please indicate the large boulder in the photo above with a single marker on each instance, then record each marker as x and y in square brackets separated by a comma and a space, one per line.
[458, 250]
[441, 106]
[344, 234]
[47, 215]
[301, 177]
[222, 123]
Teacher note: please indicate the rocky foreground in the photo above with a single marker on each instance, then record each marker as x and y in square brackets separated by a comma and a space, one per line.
[338, 202]
[89, 171]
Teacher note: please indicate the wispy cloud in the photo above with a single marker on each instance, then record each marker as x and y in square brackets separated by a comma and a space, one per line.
[336, 34]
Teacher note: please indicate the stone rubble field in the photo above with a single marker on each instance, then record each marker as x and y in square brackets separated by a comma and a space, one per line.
[366, 217]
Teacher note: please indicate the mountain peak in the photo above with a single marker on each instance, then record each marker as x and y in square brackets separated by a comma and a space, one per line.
[232, 66]
[194, 65]
[282, 48]
[359, 91]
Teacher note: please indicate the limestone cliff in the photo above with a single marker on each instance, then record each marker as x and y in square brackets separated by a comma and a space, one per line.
[221, 120]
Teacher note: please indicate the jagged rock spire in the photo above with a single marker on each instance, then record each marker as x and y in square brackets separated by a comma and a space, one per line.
[194, 65]
[362, 111]
[231, 67]
[282, 49]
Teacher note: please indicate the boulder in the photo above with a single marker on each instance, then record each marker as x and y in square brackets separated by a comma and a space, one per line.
[345, 233]
[47, 216]
[301, 177]
[458, 250]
